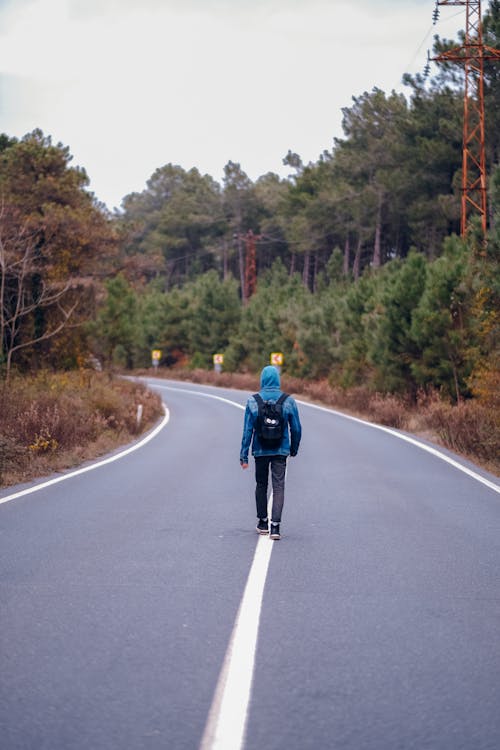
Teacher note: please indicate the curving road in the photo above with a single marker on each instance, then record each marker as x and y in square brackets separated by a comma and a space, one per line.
[122, 596]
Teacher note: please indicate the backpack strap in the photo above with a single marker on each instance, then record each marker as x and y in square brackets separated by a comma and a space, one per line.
[282, 398]
[280, 401]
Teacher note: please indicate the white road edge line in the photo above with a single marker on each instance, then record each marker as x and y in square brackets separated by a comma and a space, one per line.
[406, 438]
[227, 719]
[413, 441]
[93, 466]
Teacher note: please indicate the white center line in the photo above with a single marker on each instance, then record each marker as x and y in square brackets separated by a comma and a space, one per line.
[227, 719]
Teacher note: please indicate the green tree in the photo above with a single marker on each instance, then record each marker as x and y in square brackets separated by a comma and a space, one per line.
[240, 211]
[115, 330]
[270, 322]
[491, 36]
[173, 227]
[350, 351]
[441, 324]
[214, 316]
[485, 262]
[271, 192]
[433, 158]
[369, 158]
[391, 348]
[152, 320]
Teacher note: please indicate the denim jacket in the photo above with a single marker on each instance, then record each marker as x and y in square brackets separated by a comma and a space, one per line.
[270, 391]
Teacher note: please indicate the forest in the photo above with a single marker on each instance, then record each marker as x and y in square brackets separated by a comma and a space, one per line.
[361, 277]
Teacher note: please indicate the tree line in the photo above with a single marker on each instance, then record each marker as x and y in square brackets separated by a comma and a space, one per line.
[360, 274]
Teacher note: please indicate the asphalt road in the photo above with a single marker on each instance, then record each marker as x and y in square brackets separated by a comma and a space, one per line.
[380, 621]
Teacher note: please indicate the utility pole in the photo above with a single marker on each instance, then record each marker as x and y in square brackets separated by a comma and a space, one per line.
[250, 265]
[472, 55]
[237, 237]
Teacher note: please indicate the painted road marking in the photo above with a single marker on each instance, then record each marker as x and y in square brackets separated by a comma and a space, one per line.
[197, 393]
[406, 438]
[412, 441]
[93, 466]
[227, 719]
[228, 715]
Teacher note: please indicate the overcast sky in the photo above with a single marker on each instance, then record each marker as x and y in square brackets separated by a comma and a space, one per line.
[131, 85]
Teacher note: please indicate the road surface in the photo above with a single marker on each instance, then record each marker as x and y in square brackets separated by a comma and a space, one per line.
[140, 609]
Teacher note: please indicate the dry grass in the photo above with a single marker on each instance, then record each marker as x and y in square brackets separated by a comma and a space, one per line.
[471, 429]
[468, 428]
[53, 421]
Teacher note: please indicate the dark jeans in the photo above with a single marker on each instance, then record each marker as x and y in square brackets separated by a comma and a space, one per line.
[278, 468]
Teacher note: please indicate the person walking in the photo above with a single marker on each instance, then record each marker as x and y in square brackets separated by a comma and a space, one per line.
[272, 427]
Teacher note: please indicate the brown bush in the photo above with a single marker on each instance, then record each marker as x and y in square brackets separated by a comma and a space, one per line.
[485, 383]
[471, 428]
[11, 455]
[51, 421]
[468, 428]
[388, 410]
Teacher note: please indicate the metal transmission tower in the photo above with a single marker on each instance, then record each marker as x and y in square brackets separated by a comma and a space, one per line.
[472, 55]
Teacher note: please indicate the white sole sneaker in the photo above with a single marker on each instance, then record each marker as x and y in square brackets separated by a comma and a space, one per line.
[262, 531]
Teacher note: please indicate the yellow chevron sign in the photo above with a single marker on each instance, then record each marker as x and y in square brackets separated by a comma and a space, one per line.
[277, 359]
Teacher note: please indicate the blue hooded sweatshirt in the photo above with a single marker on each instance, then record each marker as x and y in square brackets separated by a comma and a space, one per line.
[270, 391]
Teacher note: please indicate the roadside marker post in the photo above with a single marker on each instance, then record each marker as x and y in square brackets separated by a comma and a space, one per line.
[155, 357]
[277, 360]
[218, 362]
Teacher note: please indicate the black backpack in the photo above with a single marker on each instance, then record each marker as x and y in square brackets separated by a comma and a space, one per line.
[270, 425]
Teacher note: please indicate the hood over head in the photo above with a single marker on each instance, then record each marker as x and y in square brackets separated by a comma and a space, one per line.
[269, 377]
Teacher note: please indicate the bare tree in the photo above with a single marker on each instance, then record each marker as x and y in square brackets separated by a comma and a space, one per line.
[19, 297]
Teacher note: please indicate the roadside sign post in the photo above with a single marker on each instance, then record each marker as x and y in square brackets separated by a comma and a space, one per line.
[218, 362]
[277, 360]
[155, 357]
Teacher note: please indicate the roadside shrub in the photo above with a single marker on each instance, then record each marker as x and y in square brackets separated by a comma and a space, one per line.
[467, 427]
[471, 428]
[11, 455]
[388, 410]
[52, 421]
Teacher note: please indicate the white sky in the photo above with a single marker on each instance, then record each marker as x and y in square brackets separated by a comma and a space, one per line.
[131, 85]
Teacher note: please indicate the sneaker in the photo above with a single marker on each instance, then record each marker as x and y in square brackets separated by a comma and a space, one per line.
[262, 527]
[275, 531]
